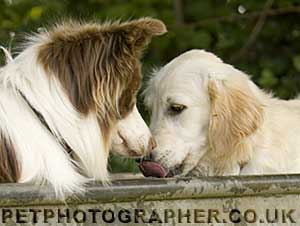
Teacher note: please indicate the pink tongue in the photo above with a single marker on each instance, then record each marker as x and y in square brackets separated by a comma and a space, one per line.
[152, 169]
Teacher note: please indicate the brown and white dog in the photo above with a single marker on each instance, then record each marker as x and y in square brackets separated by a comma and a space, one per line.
[69, 98]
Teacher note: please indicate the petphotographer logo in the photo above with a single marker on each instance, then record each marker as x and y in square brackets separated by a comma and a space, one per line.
[147, 217]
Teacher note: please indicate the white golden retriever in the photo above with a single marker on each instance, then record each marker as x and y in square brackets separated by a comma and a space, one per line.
[208, 118]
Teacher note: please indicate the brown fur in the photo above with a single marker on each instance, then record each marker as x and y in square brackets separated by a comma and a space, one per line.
[98, 65]
[9, 167]
[235, 115]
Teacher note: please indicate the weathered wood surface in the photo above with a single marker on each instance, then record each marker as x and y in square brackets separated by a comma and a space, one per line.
[200, 201]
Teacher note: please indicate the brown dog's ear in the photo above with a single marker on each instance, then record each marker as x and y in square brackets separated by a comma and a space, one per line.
[138, 33]
[88, 57]
[235, 115]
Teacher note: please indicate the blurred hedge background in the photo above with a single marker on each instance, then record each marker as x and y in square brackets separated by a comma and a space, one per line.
[261, 37]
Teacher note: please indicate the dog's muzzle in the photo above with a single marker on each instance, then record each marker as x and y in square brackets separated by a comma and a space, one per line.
[150, 168]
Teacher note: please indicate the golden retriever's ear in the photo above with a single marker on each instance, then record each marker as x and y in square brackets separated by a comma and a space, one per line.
[235, 114]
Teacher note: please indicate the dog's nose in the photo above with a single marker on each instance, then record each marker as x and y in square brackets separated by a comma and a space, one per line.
[147, 158]
[147, 155]
[152, 144]
[150, 157]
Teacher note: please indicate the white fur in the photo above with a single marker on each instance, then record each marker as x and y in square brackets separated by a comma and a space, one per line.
[182, 140]
[41, 157]
[135, 133]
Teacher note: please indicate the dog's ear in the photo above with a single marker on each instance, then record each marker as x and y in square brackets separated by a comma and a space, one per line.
[235, 115]
[138, 33]
[90, 57]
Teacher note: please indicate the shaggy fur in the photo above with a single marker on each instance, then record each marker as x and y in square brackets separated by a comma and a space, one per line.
[68, 98]
[228, 126]
[10, 169]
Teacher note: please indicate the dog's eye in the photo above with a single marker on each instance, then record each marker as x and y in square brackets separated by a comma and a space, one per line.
[176, 109]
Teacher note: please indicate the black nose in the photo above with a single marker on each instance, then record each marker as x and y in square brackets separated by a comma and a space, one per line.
[147, 158]
[138, 160]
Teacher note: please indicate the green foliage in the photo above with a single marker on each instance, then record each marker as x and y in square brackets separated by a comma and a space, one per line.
[226, 27]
